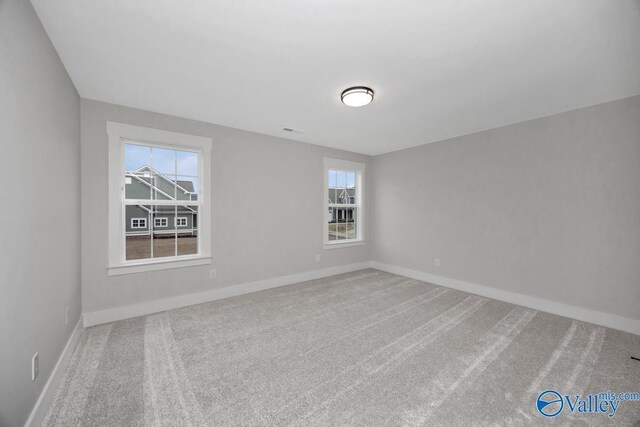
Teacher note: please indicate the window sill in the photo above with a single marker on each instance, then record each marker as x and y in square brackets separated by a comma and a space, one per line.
[141, 267]
[347, 244]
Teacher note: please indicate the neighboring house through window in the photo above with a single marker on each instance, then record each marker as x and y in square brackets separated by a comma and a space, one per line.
[344, 189]
[138, 222]
[159, 210]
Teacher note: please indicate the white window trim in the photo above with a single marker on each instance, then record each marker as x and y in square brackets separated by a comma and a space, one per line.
[118, 133]
[179, 219]
[140, 222]
[359, 168]
[161, 222]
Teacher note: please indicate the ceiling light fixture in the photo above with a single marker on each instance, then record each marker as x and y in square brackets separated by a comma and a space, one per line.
[357, 96]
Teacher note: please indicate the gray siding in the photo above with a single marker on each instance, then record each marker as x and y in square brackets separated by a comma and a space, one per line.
[139, 212]
[140, 188]
[137, 190]
[164, 186]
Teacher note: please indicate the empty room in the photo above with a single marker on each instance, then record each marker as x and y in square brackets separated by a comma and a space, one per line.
[320, 213]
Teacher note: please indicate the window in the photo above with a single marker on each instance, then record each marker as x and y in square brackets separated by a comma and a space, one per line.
[344, 189]
[138, 222]
[157, 178]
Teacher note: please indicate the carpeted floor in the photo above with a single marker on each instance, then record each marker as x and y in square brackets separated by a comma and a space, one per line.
[365, 348]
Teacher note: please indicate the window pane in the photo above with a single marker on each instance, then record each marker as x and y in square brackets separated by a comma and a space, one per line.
[351, 180]
[332, 231]
[351, 230]
[187, 163]
[163, 160]
[137, 161]
[188, 234]
[138, 247]
[164, 187]
[188, 243]
[136, 219]
[332, 186]
[137, 237]
[163, 217]
[342, 179]
[332, 178]
[137, 185]
[187, 188]
[332, 195]
[345, 219]
[164, 237]
[164, 243]
[136, 157]
[346, 196]
[345, 191]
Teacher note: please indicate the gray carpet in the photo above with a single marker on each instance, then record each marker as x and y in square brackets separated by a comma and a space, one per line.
[365, 348]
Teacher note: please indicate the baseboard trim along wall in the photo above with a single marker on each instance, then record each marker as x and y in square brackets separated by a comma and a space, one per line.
[565, 310]
[573, 312]
[156, 306]
[48, 393]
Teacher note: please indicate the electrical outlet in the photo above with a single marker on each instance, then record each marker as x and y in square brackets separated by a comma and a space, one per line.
[213, 274]
[34, 367]
[436, 262]
[66, 316]
[318, 258]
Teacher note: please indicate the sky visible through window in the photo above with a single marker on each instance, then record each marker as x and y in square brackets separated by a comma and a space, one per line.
[180, 165]
[341, 179]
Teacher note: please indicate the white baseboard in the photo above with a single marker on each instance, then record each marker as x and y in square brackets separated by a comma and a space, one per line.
[49, 391]
[155, 306]
[565, 310]
[573, 312]
[119, 313]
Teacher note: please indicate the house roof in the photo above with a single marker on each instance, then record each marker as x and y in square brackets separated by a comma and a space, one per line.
[187, 185]
[168, 210]
[184, 185]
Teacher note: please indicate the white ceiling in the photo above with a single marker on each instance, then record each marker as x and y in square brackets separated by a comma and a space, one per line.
[440, 68]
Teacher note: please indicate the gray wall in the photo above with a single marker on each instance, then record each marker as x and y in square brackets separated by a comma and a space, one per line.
[548, 208]
[256, 233]
[39, 265]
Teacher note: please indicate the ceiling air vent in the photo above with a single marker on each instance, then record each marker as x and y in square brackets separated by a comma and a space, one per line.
[292, 130]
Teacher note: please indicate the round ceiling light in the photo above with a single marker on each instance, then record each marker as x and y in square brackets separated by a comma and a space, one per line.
[357, 96]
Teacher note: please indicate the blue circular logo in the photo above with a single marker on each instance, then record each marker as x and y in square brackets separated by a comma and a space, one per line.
[550, 403]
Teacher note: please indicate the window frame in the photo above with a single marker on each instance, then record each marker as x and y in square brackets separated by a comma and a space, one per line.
[143, 220]
[118, 135]
[164, 222]
[359, 169]
[179, 219]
